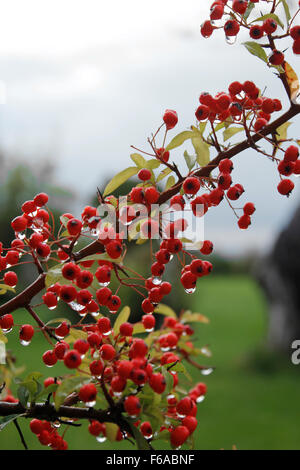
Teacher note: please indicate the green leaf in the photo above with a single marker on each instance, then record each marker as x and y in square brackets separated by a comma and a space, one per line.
[255, 49]
[8, 419]
[101, 256]
[3, 338]
[53, 275]
[286, 10]
[249, 10]
[163, 174]
[47, 390]
[111, 431]
[168, 378]
[179, 139]
[138, 160]
[165, 310]
[138, 328]
[231, 131]
[75, 334]
[190, 160]
[170, 182]
[202, 150]
[141, 442]
[67, 387]
[152, 164]
[119, 179]
[5, 287]
[23, 395]
[269, 15]
[189, 317]
[122, 318]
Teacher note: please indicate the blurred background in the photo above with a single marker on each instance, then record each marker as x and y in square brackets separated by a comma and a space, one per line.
[83, 81]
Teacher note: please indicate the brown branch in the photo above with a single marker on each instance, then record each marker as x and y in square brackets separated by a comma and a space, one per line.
[23, 299]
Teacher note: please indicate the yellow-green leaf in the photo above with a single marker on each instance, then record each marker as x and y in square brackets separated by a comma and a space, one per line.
[119, 179]
[293, 81]
[111, 431]
[189, 317]
[122, 318]
[165, 310]
[170, 182]
[138, 160]
[179, 139]
[163, 174]
[255, 49]
[202, 150]
[282, 131]
[231, 131]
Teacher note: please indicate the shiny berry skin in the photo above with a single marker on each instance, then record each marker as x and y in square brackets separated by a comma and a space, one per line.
[291, 154]
[157, 269]
[60, 349]
[191, 185]
[269, 26]
[179, 435]
[184, 406]
[124, 369]
[104, 325]
[157, 382]
[103, 274]
[10, 278]
[216, 11]
[118, 384]
[113, 303]
[285, 187]
[165, 288]
[68, 293]
[49, 358]
[26, 332]
[36, 426]
[96, 368]
[88, 393]
[114, 249]
[188, 280]
[126, 329]
[144, 174]
[84, 279]
[74, 226]
[259, 124]
[81, 345]
[231, 28]
[295, 32]
[146, 429]
[94, 340]
[19, 223]
[95, 428]
[138, 349]
[151, 195]
[286, 168]
[41, 199]
[50, 299]
[43, 250]
[249, 208]
[206, 29]
[207, 247]
[72, 359]
[103, 295]
[6, 321]
[244, 221]
[170, 119]
[256, 31]
[148, 322]
[147, 306]
[240, 6]
[62, 330]
[132, 405]
[276, 57]
[202, 112]
[191, 423]
[107, 352]
[70, 271]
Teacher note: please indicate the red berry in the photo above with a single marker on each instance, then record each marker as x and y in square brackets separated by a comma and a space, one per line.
[70, 271]
[148, 322]
[170, 119]
[107, 352]
[62, 330]
[88, 393]
[244, 221]
[41, 199]
[207, 247]
[285, 187]
[190, 422]
[179, 435]
[231, 28]
[276, 57]
[19, 223]
[249, 208]
[191, 185]
[132, 405]
[269, 26]
[291, 154]
[49, 358]
[126, 329]
[74, 226]
[72, 359]
[6, 321]
[144, 174]
[26, 333]
[10, 278]
[256, 31]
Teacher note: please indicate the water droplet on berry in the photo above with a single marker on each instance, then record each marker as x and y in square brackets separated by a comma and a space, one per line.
[190, 291]
[107, 333]
[200, 399]
[165, 349]
[24, 343]
[149, 330]
[207, 371]
[52, 308]
[90, 404]
[104, 284]
[101, 439]
[157, 280]
[6, 331]
[56, 424]
[230, 40]
[171, 395]
[76, 306]
[20, 235]
[206, 351]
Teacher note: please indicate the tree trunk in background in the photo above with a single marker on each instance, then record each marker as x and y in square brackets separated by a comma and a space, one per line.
[279, 275]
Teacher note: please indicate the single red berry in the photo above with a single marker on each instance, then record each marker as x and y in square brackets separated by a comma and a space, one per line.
[70, 271]
[6, 321]
[256, 31]
[240, 6]
[81, 345]
[107, 352]
[148, 322]
[72, 359]
[163, 154]
[244, 221]
[62, 330]
[19, 223]
[207, 247]
[26, 333]
[249, 208]
[269, 26]
[104, 325]
[190, 422]
[41, 199]
[113, 303]
[231, 28]
[68, 293]
[276, 57]
[179, 435]
[103, 295]
[36, 426]
[126, 329]
[170, 118]
[49, 358]
[144, 174]
[10, 278]
[146, 429]
[96, 368]
[74, 226]
[206, 29]
[285, 187]
[184, 406]
[132, 405]
[88, 393]
[291, 154]
[191, 185]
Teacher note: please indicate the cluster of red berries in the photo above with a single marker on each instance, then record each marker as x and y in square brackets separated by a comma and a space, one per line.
[47, 434]
[232, 25]
[240, 102]
[290, 164]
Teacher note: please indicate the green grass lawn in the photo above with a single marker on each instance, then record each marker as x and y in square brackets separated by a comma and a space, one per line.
[252, 398]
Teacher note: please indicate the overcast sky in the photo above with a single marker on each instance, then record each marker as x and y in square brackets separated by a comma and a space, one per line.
[86, 79]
